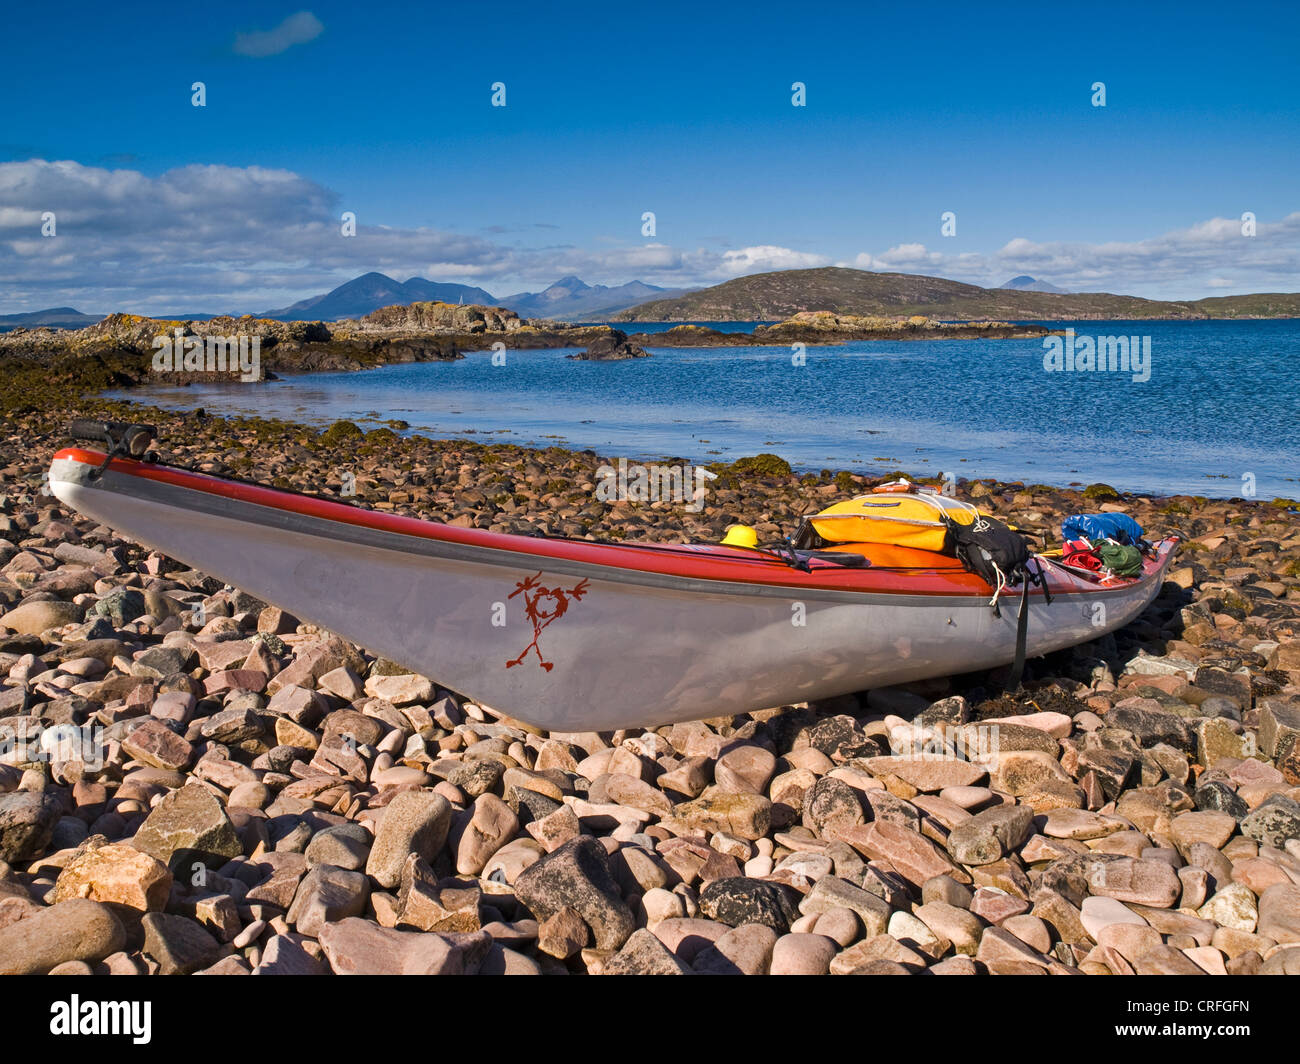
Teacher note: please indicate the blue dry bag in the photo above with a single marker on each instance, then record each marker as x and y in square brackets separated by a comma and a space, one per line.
[1119, 527]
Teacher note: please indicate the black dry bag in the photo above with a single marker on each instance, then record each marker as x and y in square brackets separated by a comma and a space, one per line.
[991, 551]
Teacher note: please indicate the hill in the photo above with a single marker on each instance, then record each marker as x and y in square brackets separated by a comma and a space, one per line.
[784, 293]
[370, 291]
[53, 318]
[1025, 283]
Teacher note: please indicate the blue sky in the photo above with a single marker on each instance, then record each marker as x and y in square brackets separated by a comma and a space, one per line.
[680, 109]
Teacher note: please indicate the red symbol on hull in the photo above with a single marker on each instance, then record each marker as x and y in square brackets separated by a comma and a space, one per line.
[542, 605]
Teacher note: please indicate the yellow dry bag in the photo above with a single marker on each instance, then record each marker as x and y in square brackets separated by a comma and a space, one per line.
[912, 519]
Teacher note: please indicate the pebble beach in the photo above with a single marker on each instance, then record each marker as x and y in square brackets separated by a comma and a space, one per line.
[250, 794]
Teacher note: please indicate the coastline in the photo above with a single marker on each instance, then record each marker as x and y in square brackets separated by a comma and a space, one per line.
[715, 452]
[68, 375]
[539, 403]
[126, 346]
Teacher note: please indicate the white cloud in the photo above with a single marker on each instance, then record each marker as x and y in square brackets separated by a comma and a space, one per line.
[767, 257]
[902, 258]
[223, 238]
[1177, 265]
[199, 238]
[296, 29]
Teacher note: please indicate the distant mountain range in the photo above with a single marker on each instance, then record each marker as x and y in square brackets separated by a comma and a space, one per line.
[567, 299]
[55, 318]
[1025, 283]
[758, 297]
[570, 298]
[370, 291]
[777, 296]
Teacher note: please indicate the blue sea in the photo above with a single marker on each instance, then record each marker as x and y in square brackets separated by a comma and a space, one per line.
[1218, 416]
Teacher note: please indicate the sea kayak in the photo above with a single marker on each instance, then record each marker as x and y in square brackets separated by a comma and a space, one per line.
[574, 635]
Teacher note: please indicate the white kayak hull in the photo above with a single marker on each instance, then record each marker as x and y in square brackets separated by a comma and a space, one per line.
[604, 647]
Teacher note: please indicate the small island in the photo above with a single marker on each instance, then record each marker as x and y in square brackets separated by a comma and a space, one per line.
[825, 327]
[612, 348]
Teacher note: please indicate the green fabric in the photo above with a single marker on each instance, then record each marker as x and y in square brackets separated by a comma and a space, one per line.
[1120, 559]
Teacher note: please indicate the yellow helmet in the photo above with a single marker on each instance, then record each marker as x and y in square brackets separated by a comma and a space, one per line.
[740, 536]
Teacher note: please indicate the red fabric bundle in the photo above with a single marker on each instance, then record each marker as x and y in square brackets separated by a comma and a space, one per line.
[1080, 554]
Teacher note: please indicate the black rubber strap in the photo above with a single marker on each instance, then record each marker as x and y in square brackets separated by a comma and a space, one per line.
[792, 558]
[1042, 581]
[1022, 633]
[122, 440]
[123, 437]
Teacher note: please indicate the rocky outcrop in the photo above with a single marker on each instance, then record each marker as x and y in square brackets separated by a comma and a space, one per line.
[823, 327]
[612, 348]
[136, 333]
[47, 365]
[125, 350]
[438, 318]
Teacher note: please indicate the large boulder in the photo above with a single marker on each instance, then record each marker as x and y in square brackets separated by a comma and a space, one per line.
[27, 821]
[577, 875]
[74, 930]
[33, 618]
[187, 828]
[360, 947]
[413, 822]
[116, 874]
